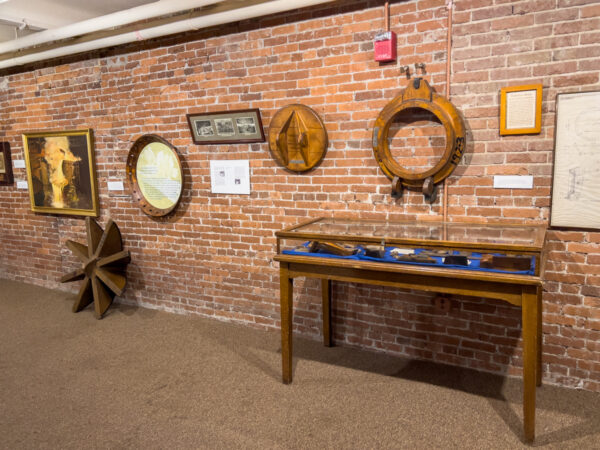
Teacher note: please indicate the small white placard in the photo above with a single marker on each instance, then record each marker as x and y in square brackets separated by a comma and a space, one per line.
[21, 184]
[230, 177]
[115, 186]
[513, 181]
[19, 163]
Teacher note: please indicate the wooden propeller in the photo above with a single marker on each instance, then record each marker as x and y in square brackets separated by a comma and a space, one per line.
[103, 266]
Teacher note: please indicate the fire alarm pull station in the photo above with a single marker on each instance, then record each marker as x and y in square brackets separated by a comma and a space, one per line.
[385, 42]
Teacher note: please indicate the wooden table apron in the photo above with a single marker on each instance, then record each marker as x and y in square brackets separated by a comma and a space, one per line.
[520, 290]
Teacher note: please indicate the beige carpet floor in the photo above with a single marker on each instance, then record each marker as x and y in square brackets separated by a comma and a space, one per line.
[141, 378]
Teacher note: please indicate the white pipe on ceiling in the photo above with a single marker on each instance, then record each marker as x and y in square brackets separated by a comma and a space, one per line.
[196, 23]
[155, 9]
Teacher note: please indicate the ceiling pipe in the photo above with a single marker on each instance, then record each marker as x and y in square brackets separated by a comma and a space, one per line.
[262, 9]
[151, 10]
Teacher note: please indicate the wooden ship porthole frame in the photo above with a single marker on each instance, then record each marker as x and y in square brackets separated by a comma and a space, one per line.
[420, 95]
[297, 138]
[132, 175]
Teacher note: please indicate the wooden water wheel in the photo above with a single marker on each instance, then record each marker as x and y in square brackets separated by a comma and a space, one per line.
[103, 266]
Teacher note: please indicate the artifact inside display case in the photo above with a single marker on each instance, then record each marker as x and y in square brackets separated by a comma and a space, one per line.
[297, 138]
[419, 95]
[500, 248]
[103, 267]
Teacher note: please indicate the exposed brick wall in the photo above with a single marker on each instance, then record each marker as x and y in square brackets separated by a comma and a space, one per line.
[214, 255]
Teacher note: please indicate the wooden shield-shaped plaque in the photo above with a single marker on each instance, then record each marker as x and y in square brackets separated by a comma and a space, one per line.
[297, 138]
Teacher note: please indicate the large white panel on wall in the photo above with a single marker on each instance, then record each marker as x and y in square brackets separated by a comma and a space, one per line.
[230, 176]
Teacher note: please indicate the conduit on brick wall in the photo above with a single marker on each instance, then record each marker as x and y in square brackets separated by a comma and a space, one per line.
[449, 5]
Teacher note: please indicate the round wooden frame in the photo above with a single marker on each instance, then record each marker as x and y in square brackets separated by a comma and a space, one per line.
[131, 169]
[297, 131]
[419, 95]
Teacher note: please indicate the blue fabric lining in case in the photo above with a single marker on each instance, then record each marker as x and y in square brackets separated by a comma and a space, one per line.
[439, 260]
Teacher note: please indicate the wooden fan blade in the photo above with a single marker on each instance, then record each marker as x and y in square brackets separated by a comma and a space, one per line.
[111, 240]
[102, 297]
[114, 281]
[79, 250]
[84, 297]
[94, 234]
[78, 274]
[118, 259]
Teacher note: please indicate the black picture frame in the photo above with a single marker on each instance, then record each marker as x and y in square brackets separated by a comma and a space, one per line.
[240, 126]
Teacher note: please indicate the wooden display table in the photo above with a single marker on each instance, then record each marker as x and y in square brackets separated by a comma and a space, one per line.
[520, 289]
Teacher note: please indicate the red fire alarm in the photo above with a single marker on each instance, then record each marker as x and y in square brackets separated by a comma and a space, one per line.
[385, 42]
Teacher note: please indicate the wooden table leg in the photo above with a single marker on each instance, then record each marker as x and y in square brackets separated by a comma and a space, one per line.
[539, 337]
[286, 292]
[530, 358]
[326, 297]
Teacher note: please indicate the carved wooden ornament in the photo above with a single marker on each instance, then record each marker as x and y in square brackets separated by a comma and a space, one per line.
[103, 264]
[297, 138]
[418, 94]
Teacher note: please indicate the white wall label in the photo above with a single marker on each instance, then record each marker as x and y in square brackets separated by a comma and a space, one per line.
[19, 163]
[115, 186]
[513, 181]
[21, 184]
[230, 176]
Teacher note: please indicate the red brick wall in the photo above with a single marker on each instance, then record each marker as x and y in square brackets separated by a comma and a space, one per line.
[213, 257]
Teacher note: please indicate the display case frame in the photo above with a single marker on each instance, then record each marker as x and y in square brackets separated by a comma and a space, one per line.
[521, 290]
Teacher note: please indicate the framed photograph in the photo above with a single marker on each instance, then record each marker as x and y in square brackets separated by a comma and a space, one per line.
[60, 172]
[521, 109]
[576, 180]
[6, 175]
[155, 175]
[226, 127]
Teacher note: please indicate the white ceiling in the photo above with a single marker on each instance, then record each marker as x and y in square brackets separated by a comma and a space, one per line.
[38, 15]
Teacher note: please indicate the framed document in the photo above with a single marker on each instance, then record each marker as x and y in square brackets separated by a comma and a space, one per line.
[155, 175]
[60, 172]
[521, 109]
[576, 181]
[6, 175]
[227, 127]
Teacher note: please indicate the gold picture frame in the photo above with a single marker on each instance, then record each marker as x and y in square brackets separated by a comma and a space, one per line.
[61, 172]
[521, 109]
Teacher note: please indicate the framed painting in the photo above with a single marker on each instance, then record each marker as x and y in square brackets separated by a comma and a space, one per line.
[6, 175]
[576, 175]
[521, 109]
[60, 172]
[227, 127]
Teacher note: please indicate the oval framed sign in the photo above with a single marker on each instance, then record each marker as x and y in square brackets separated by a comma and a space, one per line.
[155, 175]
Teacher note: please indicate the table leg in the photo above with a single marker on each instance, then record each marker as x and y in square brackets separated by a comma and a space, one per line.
[530, 358]
[539, 337]
[286, 291]
[326, 297]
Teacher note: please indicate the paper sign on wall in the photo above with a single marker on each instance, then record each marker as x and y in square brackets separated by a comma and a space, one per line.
[230, 177]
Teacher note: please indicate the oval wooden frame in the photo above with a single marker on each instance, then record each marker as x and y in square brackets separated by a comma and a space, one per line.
[131, 168]
[420, 95]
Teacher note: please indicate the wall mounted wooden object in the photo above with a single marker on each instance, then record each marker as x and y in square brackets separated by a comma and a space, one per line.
[297, 138]
[418, 94]
[155, 175]
[103, 266]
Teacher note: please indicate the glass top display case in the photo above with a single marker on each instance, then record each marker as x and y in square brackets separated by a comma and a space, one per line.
[490, 247]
